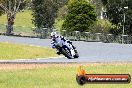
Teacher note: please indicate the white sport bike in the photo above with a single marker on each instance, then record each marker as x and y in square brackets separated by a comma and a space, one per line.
[69, 53]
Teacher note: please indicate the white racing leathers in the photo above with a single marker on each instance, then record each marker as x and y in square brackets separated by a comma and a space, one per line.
[60, 41]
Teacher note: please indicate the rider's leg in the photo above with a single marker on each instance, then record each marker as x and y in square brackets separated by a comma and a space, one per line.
[70, 48]
[71, 44]
[58, 50]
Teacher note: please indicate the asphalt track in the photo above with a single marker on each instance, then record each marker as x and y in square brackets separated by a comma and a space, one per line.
[88, 51]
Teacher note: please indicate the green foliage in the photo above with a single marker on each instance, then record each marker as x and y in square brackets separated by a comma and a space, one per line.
[62, 12]
[58, 24]
[1, 9]
[45, 12]
[104, 2]
[115, 13]
[81, 14]
[42, 10]
[102, 26]
[25, 4]
[115, 29]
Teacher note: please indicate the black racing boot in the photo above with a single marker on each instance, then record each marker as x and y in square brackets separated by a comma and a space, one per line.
[58, 53]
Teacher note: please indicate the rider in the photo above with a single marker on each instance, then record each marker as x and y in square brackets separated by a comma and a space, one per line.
[60, 41]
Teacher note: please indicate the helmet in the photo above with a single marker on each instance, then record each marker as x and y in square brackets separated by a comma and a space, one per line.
[53, 34]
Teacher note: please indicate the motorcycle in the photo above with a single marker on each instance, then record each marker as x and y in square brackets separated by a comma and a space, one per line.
[69, 53]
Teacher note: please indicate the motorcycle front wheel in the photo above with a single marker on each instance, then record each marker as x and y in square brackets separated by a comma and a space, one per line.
[67, 53]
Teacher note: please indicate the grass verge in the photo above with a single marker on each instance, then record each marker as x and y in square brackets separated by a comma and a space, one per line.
[57, 75]
[22, 23]
[16, 51]
[22, 19]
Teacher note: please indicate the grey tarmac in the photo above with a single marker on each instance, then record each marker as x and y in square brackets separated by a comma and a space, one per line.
[89, 51]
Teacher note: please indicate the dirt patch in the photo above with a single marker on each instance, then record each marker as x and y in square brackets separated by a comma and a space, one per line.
[34, 66]
[31, 66]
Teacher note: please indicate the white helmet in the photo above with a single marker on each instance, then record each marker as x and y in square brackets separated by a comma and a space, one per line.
[53, 34]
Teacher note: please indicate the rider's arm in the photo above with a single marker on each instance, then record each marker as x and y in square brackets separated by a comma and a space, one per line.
[65, 40]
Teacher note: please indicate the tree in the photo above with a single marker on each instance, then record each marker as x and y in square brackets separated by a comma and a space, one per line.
[44, 12]
[25, 4]
[101, 26]
[115, 13]
[1, 9]
[81, 15]
[98, 6]
[11, 7]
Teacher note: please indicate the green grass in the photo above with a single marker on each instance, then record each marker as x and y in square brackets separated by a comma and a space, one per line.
[23, 22]
[22, 19]
[16, 51]
[61, 76]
